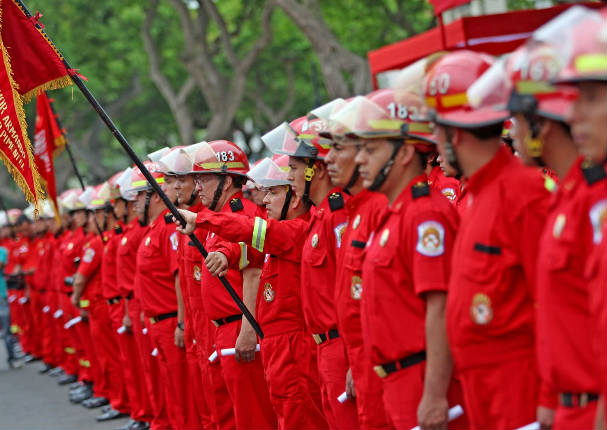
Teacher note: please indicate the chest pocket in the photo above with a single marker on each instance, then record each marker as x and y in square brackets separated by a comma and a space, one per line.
[318, 258]
[150, 247]
[353, 259]
[561, 253]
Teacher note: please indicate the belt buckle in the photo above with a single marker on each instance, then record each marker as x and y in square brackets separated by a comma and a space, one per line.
[317, 339]
[215, 323]
[381, 372]
[583, 400]
[152, 320]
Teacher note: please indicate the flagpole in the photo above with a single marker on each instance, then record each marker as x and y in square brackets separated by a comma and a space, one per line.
[125, 145]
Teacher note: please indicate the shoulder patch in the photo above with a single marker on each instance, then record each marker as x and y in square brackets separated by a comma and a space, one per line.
[449, 193]
[118, 229]
[174, 241]
[598, 216]
[593, 172]
[336, 202]
[89, 254]
[236, 205]
[339, 232]
[420, 189]
[430, 239]
[168, 218]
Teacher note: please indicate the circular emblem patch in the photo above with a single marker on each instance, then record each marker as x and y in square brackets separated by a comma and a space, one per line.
[70, 245]
[268, 292]
[449, 193]
[430, 239]
[356, 222]
[315, 240]
[147, 240]
[384, 237]
[123, 241]
[559, 224]
[481, 311]
[356, 289]
[197, 273]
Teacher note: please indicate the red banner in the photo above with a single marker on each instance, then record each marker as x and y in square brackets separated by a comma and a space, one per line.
[48, 142]
[36, 64]
[15, 147]
[442, 5]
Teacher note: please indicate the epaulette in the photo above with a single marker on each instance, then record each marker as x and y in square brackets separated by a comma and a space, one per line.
[168, 218]
[236, 205]
[118, 229]
[593, 172]
[420, 189]
[336, 202]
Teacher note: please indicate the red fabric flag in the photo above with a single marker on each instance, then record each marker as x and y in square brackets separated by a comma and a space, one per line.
[442, 5]
[36, 63]
[15, 147]
[48, 142]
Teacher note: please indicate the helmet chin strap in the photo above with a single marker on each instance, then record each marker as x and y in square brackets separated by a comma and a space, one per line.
[285, 205]
[534, 143]
[218, 192]
[146, 208]
[192, 198]
[353, 179]
[385, 170]
[309, 174]
[451, 154]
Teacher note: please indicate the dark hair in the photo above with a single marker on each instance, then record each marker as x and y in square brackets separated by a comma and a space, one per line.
[486, 132]
[21, 219]
[238, 181]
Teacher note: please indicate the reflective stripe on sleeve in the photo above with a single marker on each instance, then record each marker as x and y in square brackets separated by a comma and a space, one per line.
[259, 233]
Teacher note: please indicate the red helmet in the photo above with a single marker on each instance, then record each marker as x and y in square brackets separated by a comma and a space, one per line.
[138, 182]
[301, 138]
[445, 88]
[97, 197]
[219, 157]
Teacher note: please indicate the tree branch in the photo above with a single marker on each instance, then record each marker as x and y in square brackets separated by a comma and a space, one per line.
[224, 34]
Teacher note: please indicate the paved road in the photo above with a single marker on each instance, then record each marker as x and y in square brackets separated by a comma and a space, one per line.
[29, 400]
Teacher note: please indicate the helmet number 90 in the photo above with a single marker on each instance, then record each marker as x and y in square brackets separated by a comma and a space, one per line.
[225, 156]
[439, 84]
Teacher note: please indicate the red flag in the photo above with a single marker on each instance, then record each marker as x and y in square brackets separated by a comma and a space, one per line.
[48, 142]
[442, 5]
[15, 147]
[36, 63]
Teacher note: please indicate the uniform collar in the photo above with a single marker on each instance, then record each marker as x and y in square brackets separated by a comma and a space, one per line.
[356, 201]
[406, 195]
[502, 158]
[159, 218]
[226, 207]
[324, 205]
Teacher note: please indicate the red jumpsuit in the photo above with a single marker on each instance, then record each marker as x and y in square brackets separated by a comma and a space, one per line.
[114, 372]
[448, 187]
[567, 361]
[287, 350]
[136, 346]
[318, 266]
[17, 256]
[363, 209]
[156, 270]
[490, 305]
[63, 339]
[245, 381]
[44, 253]
[408, 256]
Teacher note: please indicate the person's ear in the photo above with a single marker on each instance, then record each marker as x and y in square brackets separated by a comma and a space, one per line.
[228, 183]
[405, 154]
[296, 202]
[321, 169]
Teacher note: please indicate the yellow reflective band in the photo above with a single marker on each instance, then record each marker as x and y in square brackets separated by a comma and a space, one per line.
[259, 233]
[534, 87]
[454, 100]
[85, 363]
[14, 329]
[229, 164]
[386, 124]
[419, 127]
[549, 183]
[591, 63]
[243, 262]
[431, 101]
[142, 183]
[98, 202]
[85, 303]
[69, 350]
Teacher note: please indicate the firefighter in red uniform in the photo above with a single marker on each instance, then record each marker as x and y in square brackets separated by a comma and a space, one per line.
[157, 268]
[406, 265]
[220, 170]
[363, 208]
[491, 333]
[287, 351]
[309, 180]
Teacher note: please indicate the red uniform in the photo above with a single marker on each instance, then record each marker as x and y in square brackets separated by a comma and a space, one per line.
[408, 255]
[490, 306]
[448, 187]
[318, 264]
[135, 346]
[287, 351]
[156, 269]
[41, 279]
[245, 381]
[566, 358]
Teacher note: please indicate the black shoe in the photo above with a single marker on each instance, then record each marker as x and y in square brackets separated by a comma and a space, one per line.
[57, 371]
[81, 396]
[106, 408]
[139, 425]
[76, 386]
[29, 358]
[66, 379]
[45, 368]
[95, 402]
[131, 422]
[112, 414]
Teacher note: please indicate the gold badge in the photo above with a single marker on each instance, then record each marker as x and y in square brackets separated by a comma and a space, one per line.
[147, 240]
[481, 311]
[356, 222]
[268, 292]
[356, 289]
[315, 240]
[123, 241]
[70, 246]
[384, 237]
[197, 273]
[559, 224]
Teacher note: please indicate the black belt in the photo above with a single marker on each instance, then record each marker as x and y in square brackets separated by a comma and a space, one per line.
[129, 296]
[577, 400]
[384, 370]
[161, 317]
[114, 300]
[323, 337]
[226, 320]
